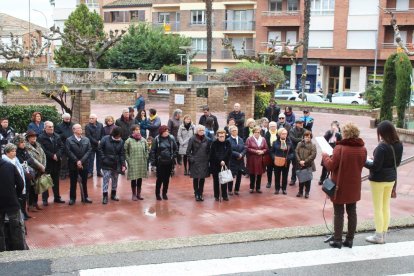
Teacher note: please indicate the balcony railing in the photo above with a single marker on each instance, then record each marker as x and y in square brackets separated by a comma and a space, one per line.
[281, 13]
[228, 54]
[322, 12]
[244, 25]
[173, 25]
[394, 10]
[393, 45]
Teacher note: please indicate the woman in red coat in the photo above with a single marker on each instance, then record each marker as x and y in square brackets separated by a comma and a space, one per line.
[353, 153]
[256, 146]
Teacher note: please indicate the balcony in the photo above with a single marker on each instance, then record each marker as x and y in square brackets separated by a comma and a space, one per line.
[244, 25]
[280, 18]
[228, 54]
[390, 48]
[404, 17]
[172, 26]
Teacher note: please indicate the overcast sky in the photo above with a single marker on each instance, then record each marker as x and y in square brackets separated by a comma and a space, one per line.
[20, 9]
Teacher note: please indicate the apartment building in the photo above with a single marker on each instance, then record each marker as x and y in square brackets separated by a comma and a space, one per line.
[345, 39]
[232, 20]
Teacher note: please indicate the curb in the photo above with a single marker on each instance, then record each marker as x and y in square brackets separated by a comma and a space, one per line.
[205, 240]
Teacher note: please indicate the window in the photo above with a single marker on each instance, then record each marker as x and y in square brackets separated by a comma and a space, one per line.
[292, 5]
[361, 40]
[322, 7]
[366, 7]
[275, 5]
[320, 39]
[274, 36]
[163, 17]
[117, 16]
[198, 17]
[402, 5]
[199, 44]
[137, 16]
[403, 35]
[291, 37]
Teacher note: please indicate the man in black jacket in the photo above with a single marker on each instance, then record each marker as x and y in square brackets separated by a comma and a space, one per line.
[94, 132]
[11, 184]
[295, 136]
[6, 133]
[78, 149]
[53, 148]
[64, 130]
[272, 111]
[203, 118]
[239, 118]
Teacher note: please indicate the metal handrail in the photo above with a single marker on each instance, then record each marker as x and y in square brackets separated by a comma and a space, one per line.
[403, 162]
[281, 13]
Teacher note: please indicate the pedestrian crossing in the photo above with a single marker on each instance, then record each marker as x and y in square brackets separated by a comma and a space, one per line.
[263, 262]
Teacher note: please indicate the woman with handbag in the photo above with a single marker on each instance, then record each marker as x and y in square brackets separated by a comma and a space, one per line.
[346, 165]
[35, 150]
[305, 154]
[270, 137]
[282, 154]
[237, 159]
[136, 156]
[198, 153]
[185, 132]
[256, 148]
[383, 177]
[220, 154]
[112, 153]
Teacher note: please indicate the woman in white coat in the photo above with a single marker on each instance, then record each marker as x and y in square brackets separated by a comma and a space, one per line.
[185, 132]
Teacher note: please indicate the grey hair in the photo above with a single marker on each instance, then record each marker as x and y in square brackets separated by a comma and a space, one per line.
[65, 115]
[48, 123]
[264, 119]
[198, 127]
[9, 147]
[93, 115]
[177, 111]
[125, 110]
[272, 123]
[232, 127]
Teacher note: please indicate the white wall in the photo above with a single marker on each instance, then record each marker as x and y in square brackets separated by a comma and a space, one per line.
[361, 40]
[355, 79]
[321, 23]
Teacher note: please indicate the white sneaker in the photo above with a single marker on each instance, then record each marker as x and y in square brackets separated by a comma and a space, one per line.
[377, 238]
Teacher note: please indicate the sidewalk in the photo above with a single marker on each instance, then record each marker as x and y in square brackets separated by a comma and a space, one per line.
[181, 216]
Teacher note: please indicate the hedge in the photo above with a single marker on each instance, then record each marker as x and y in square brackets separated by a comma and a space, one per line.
[20, 115]
[261, 101]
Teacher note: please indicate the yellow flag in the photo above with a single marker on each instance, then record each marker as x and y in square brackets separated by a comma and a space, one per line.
[24, 87]
[65, 88]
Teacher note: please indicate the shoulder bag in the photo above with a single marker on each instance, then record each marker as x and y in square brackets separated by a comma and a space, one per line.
[328, 186]
[281, 161]
[304, 174]
[394, 188]
[225, 175]
[43, 183]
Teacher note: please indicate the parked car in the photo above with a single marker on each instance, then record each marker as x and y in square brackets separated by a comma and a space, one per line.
[348, 97]
[286, 94]
[312, 97]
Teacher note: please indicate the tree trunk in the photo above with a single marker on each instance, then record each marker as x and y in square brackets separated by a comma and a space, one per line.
[305, 45]
[209, 32]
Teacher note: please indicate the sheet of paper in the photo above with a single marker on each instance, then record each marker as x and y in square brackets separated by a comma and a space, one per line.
[324, 146]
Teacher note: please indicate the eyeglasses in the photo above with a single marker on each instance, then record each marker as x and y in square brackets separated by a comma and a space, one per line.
[281, 118]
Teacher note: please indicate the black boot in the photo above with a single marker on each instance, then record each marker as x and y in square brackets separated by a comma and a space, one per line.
[139, 194]
[114, 196]
[105, 198]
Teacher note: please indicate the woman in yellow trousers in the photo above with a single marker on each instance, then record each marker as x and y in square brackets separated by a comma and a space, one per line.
[382, 176]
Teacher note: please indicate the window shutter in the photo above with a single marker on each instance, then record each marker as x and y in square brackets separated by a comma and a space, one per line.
[141, 15]
[107, 17]
[126, 16]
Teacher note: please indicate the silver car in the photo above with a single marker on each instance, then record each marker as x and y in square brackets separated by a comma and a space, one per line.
[286, 94]
[348, 97]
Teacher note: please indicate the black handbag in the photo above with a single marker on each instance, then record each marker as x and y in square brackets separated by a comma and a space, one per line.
[328, 186]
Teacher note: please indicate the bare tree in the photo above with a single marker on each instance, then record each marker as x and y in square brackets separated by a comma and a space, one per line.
[397, 33]
[209, 8]
[307, 14]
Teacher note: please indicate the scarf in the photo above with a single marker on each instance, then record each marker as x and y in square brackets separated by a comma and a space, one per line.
[273, 136]
[152, 117]
[200, 137]
[258, 141]
[187, 126]
[136, 136]
[250, 132]
[332, 140]
[283, 144]
[19, 167]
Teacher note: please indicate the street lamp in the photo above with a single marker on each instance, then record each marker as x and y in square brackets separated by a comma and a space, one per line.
[187, 55]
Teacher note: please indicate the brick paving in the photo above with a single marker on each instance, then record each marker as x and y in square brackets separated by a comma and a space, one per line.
[181, 216]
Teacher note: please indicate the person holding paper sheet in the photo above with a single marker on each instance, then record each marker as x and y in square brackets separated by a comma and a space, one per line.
[332, 136]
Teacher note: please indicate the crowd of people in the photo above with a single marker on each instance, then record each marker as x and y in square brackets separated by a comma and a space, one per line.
[133, 145]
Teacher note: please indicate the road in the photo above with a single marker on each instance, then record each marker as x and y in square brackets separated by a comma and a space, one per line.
[299, 256]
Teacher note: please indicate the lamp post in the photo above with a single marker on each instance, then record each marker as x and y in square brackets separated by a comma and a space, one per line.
[48, 49]
[187, 55]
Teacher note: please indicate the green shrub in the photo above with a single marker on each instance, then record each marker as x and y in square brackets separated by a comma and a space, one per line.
[373, 95]
[261, 101]
[388, 89]
[403, 70]
[4, 84]
[202, 92]
[180, 70]
[251, 73]
[20, 115]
